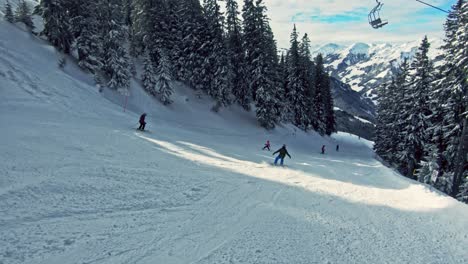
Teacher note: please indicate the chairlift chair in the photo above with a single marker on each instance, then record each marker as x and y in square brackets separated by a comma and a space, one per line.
[374, 16]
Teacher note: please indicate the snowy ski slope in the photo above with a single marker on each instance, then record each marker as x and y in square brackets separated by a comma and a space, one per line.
[78, 183]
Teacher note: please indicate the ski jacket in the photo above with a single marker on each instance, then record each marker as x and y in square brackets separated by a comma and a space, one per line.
[142, 119]
[282, 152]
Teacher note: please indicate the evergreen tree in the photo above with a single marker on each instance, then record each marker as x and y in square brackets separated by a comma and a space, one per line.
[463, 189]
[281, 85]
[389, 125]
[9, 12]
[448, 148]
[193, 51]
[216, 65]
[56, 23]
[265, 65]
[415, 104]
[115, 55]
[23, 14]
[164, 78]
[84, 26]
[296, 96]
[250, 44]
[321, 82]
[149, 29]
[460, 106]
[306, 79]
[239, 86]
[329, 118]
[149, 75]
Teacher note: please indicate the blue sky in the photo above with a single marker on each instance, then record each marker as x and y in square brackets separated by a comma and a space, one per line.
[345, 21]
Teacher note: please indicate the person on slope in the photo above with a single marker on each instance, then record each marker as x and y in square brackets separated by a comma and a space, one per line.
[267, 145]
[323, 149]
[142, 122]
[282, 153]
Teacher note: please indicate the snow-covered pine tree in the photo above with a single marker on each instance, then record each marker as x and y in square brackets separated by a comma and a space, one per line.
[84, 26]
[216, 64]
[448, 104]
[383, 120]
[23, 14]
[306, 74]
[281, 89]
[192, 48]
[329, 117]
[250, 44]
[115, 54]
[9, 12]
[396, 111]
[174, 34]
[389, 124]
[164, 78]
[142, 24]
[416, 107]
[320, 82]
[460, 95]
[463, 189]
[56, 23]
[239, 86]
[265, 66]
[266, 101]
[296, 96]
[148, 77]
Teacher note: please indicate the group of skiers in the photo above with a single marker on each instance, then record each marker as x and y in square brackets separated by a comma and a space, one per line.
[283, 152]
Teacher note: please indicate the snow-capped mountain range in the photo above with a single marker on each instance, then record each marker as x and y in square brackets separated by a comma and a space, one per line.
[365, 66]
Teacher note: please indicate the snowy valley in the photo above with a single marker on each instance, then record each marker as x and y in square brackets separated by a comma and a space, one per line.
[365, 66]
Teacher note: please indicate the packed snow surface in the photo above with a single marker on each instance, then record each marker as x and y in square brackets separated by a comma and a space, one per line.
[78, 183]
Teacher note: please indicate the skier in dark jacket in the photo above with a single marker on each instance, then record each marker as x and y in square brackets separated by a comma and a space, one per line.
[323, 149]
[282, 153]
[142, 122]
[267, 145]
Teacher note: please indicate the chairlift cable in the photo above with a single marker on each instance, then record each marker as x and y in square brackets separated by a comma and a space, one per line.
[438, 8]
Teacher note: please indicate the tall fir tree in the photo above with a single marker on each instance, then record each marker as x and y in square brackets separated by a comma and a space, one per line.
[115, 55]
[415, 104]
[84, 26]
[321, 82]
[382, 138]
[148, 77]
[306, 78]
[9, 12]
[329, 117]
[265, 65]
[216, 65]
[57, 27]
[23, 14]
[460, 96]
[250, 44]
[192, 49]
[235, 52]
[164, 78]
[296, 96]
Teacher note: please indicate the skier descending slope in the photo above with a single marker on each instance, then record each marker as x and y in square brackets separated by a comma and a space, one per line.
[142, 122]
[282, 153]
[267, 145]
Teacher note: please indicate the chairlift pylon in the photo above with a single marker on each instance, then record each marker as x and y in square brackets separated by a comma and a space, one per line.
[374, 16]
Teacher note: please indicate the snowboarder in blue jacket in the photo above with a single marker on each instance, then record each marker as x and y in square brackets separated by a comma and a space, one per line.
[282, 153]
